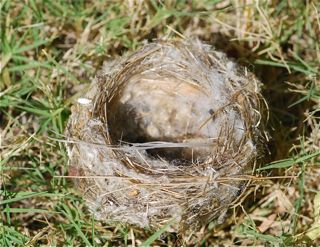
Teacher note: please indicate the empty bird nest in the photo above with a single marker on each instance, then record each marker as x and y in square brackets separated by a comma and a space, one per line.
[167, 134]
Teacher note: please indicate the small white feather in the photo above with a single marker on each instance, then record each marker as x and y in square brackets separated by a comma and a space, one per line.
[84, 101]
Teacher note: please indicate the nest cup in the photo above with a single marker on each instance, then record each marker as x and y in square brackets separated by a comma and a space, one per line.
[165, 135]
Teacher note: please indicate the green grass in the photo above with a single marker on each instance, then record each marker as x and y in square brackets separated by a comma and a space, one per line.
[50, 49]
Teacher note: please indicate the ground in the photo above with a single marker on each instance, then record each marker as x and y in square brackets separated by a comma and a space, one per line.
[51, 49]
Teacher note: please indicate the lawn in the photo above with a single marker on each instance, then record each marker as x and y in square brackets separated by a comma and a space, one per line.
[50, 51]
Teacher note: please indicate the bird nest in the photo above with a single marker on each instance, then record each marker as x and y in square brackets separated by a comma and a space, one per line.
[169, 133]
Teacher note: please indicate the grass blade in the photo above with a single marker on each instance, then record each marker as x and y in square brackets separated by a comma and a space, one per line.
[290, 162]
[156, 235]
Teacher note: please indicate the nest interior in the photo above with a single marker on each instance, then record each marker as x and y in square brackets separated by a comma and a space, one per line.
[165, 134]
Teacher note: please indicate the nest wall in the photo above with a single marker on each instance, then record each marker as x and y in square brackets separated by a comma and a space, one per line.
[170, 132]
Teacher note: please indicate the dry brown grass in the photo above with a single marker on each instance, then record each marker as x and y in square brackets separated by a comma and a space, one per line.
[50, 49]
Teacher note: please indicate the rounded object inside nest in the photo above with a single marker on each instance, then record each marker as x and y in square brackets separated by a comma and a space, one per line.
[170, 132]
